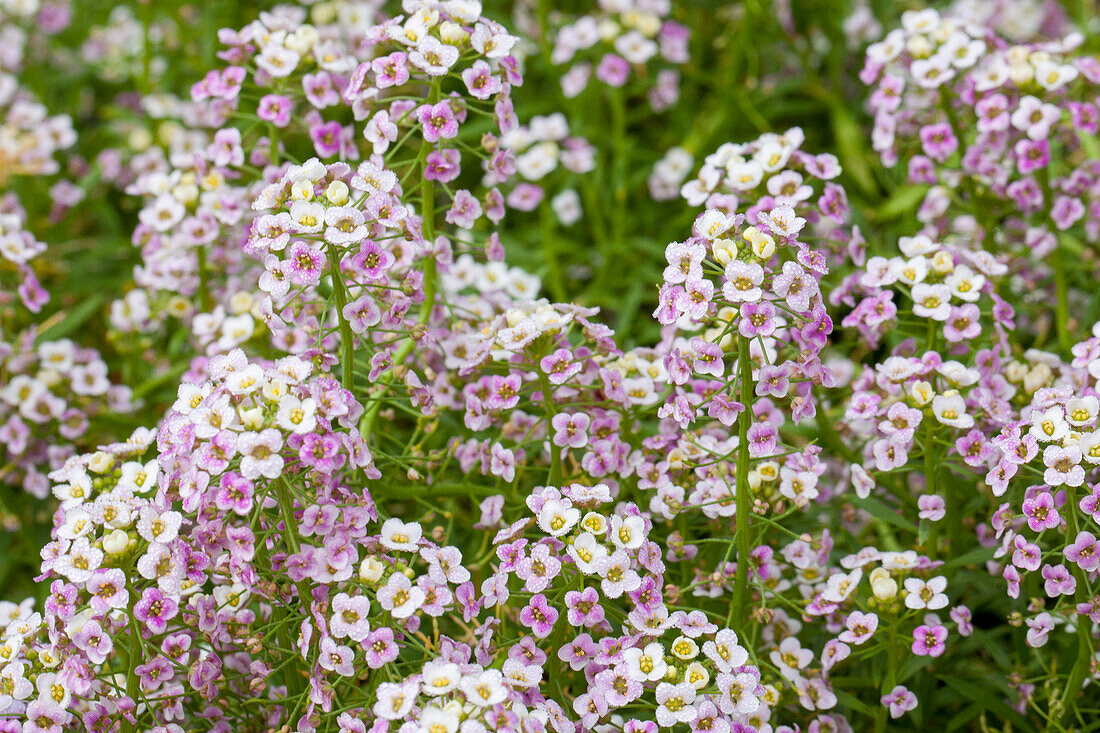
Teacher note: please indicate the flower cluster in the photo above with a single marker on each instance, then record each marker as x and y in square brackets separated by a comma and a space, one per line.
[621, 42]
[541, 147]
[1003, 129]
[381, 437]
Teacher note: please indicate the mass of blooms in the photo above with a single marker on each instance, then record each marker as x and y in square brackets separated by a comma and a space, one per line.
[453, 366]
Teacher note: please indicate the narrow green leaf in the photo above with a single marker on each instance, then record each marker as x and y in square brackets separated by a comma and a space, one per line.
[73, 320]
[902, 201]
[885, 512]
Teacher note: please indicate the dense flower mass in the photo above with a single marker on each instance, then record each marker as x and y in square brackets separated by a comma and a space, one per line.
[413, 366]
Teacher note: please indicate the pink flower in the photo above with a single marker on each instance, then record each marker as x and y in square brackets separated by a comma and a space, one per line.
[155, 609]
[539, 616]
[757, 319]
[391, 70]
[336, 657]
[1032, 155]
[859, 627]
[929, 640]
[1058, 581]
[613, 70]
[1085, 551]
[437, 121]
[480, 81]
[560, 366]
[583, 608]
[899, 701]
[1038, 629]
[962, 323]
[932, 507]
[707, 357]
[349, 617]
[571, 429]
[938, 141]
[1040, 512]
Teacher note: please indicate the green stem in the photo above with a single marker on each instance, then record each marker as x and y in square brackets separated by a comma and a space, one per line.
[744, 491]
[294, 672]
[554, 274]
[889, 680]
[1085, 646]
[620, 152]
[347, 338]
[556, 472]
[132, 678]
[206, 303]
[1061, 307]
[427, 215]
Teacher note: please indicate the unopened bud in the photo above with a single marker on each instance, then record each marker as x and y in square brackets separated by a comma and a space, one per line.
[371, 570]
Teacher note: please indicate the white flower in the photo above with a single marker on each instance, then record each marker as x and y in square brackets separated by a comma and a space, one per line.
[964, 283]
[246, 380]
[841, 585]
[155, 525]
[1048, 425]
[484, 689]
[586, 551]
[783, 221]
[1081, 412]
[950, 409]
[928, 595]
[308, 216]
[899, 560]
[139, 478]
[557, 517]
[438, 720]
[628, 532]
[398, 535]
[712, 224]
[440, 677]
[646, 665]
[295, 415]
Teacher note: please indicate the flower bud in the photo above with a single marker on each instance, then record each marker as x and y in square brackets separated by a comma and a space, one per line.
[337, 193]
[139, 139]
[885, 589]
[452, 33]
[115, 543]
[1015, 371]
[763, 245]
[253, 418]
[919, 47]
[302, 191]
[186, 193]
[943, 262]
[178, 306]
[883, 586]
[921, 392]
[1039, 376]
[101, 462]
[370, 571]
[323, 13]
[724, 250]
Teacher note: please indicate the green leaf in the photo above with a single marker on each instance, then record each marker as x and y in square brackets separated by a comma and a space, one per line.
[851, 141]
[854, 703]
[73, 320]
[983, 696]
[925, 530]
[880, 510]
[958, 722]
[971, 558]
[902, 201]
